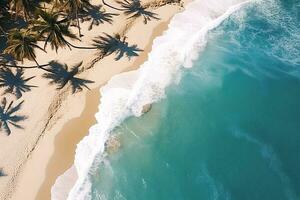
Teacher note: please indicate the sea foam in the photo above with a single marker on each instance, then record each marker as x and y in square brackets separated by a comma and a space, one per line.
[126, 94]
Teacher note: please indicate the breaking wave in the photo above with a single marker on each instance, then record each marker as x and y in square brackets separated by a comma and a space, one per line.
[126, 94]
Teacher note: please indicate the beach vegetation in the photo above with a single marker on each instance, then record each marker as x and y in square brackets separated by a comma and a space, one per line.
[74, 7]
[4, 16]
[21, 44]
[54, 28]
[22, 8]
[29, 28]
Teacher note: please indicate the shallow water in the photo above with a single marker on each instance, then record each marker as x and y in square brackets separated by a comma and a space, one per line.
[229, 129]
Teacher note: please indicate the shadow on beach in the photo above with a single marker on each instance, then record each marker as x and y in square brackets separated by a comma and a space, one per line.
[60, 74]
[108, 45]
[96, 15]
[2, 173]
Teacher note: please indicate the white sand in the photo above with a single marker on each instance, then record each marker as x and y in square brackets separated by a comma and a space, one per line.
[35, 156]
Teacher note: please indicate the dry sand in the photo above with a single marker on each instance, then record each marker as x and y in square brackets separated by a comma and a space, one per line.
[35, 156]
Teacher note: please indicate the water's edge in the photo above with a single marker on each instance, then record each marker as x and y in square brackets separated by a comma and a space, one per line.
[126, 94]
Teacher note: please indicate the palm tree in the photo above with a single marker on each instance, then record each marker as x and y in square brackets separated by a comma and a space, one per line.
[4, 6]
[4, 16]
[14, 83]
[61, 75]
[134, 9]
[54, 30]
[22, 7]
[8, 117]
[21, 45]
[74, 7]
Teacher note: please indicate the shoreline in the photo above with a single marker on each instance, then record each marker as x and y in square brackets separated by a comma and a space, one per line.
[88, 119]
[38, 168]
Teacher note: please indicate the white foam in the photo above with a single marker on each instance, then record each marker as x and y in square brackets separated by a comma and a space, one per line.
[64, 184]
[126, 94]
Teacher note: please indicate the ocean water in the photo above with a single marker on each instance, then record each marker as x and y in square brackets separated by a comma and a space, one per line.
[228, 127]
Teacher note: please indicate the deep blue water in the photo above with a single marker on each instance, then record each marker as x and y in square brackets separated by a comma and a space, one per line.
[230, 129]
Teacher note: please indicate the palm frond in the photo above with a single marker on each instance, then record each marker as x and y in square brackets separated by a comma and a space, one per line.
[53, 29]
[21, 44]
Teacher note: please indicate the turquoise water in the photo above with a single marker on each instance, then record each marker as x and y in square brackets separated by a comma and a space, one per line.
[230, 129]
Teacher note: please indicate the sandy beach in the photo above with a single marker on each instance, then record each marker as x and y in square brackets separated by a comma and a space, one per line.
[32, 158]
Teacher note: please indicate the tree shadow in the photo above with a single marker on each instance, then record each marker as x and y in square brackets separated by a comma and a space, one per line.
[60, 75]
[96, 15]
[2, 172]
[134, 9]
[8, 116]
[14, 82]
[108, 45]
[7, 58]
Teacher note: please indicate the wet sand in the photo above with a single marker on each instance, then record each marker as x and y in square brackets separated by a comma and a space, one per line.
[74, 130]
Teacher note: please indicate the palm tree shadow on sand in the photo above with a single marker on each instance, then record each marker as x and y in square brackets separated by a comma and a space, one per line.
[7, 59]
[61, 75]
[14, 82]
[134, 9]
[108, 45]
[97, 15]
[8, 116]
[2, 173]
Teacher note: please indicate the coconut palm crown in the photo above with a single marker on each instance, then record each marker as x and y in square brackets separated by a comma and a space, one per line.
[52, 27]
[21, 44]
[22, 8]
[76, 6]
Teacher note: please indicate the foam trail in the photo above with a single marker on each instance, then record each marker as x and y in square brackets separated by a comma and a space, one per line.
[126, 94]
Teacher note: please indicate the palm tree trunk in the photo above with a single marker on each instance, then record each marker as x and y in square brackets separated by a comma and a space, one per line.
[36, 63]
[120, 9]
[23, 67]
[77, 47]
[26, 18]
[78, 24]
[41, 67]
[26, 67]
